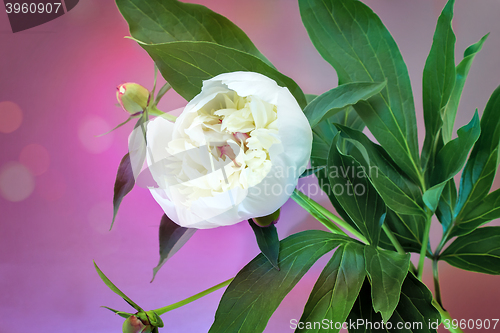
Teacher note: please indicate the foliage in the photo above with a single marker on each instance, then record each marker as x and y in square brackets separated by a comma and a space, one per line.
[390, 209]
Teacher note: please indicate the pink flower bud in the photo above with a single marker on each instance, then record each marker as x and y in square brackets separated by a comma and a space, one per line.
[132, 97]
[135, 325]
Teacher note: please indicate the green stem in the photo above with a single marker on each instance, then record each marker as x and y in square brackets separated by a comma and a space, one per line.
[442, 242]
[311, 206]
[193, 298]
[396, 244]
[437, 289]
[445, 315]
[425, 243]
[325, 212]
[393, 239]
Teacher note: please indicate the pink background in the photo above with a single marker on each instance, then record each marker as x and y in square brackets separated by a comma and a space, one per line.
[62, 76]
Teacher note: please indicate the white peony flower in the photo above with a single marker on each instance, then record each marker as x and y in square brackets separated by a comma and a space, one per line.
[235, 152]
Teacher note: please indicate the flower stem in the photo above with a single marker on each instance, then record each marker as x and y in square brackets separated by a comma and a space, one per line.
[193, 298]
[329, 215]
[425, 243]
[437, 289]
[445, 315]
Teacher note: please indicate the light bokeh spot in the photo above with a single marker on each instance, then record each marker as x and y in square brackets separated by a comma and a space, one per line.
[88, 131]
[16, 182]
[36, 158]
[11, 117]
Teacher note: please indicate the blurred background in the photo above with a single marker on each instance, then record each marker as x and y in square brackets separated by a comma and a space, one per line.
[57, 92]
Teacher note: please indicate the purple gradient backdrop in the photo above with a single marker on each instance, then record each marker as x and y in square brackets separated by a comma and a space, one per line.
[63, 76]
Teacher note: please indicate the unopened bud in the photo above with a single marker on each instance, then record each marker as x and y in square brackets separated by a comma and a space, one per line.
[132, 97]
[135, 325]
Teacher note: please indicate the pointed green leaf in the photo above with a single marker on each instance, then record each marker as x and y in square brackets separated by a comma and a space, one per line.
[268, 241]
[446, 205]
[325, 185]
[172, 238]
[438, 80]
[399, 193]
[337, 287]
[452, 157]
[115, 289]
[415, 310]
[387, 271]
[462, 70]
[124, 183]
[478, 251]
[479, 172]
[355, 42]
[450, 160]
[432, 195]
[118, 126]
[355, 193]
[164, 21]
[336, 99]
[258, 289]
[186, 64]
[487, 210]
[120, 313]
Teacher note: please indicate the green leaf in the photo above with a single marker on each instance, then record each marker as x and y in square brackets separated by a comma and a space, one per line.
[355, 193]
[186, 64]
[462, 70]
[432, 196]
[164, 21]
[355, 42]
[348, 118]
[478, 251]
[408, 229]
[124, 183]
[172, 238]
[450, 160]
[324, 184]
[310, 97]
[399, 193]
[336, 99]
[337, 287]
[120, 313]
[452, 157]
[268, 241]
[387, 271]
[414, 309]
[438, 81]
[446, 205]
[258, 289]
[479, 172]
[323, 135]
[487, 210]
[115, 289]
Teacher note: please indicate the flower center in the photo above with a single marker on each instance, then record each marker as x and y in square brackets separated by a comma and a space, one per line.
[238, 132]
